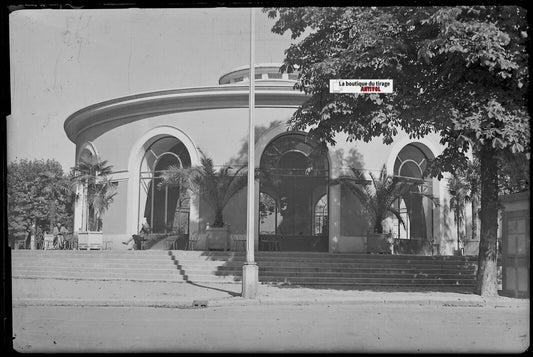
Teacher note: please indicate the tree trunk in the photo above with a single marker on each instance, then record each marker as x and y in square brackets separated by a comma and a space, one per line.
[487, 284]
[378, 228]
[458, 226]
[219, 220]
[52, 214]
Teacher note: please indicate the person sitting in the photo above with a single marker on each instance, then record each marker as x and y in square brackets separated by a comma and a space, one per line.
[135, 242]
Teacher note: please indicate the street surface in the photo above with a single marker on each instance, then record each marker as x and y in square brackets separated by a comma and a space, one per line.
[270, 328]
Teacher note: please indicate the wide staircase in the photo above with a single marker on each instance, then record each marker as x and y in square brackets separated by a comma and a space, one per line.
[145, 265]
[291, 268]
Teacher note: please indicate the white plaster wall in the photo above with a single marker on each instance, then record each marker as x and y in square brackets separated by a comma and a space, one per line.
[222, 135]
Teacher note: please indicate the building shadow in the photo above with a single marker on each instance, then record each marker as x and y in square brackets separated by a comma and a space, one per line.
[232, 293]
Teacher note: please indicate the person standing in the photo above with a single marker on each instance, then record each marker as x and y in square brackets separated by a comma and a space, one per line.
[33, 238]
[55, 233]
[29, 242]
[59, 236]
[63, 232]
[39, 237]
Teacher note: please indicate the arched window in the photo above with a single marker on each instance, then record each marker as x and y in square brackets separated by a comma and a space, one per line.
[410, 165]
[295, 173]
[165, 208]
[321, 216]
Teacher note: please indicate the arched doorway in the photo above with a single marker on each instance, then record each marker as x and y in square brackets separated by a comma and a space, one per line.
[294, 178]
[165, 208]
[416, 210]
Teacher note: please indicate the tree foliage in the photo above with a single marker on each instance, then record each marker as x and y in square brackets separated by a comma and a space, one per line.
[217, 187]
[514, 172]
[461, 72]
[38, 191]
[380, 194]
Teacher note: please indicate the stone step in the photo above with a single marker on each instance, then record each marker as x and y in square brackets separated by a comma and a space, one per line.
[336, 281]
[276, 255]
[311, 255]
[68, 270]
[209, 278]
[85, 261]
[333, 272]
[197, 255]
[101, 276]
[404, 260]
[79, 261]
[237, 265]
[276, 267]
[399, 275]
[99, 264]
[238, 269]
[91, 253]
[325, 264]
[368, 281]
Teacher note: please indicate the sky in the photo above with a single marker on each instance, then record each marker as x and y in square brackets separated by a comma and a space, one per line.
[64, 60]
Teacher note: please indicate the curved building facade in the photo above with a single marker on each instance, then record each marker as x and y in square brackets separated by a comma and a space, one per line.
[141, 135]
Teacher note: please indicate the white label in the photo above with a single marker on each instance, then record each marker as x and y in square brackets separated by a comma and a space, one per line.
[360, 86]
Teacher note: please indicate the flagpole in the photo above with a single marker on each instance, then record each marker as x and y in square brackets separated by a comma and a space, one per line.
[250, 275]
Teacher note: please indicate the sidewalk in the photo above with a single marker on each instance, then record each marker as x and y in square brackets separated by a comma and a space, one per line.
[56, 292]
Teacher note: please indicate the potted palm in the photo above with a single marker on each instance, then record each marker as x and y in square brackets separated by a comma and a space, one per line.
[459, 191]
[92, 174]
[377, 196]
[215, 187]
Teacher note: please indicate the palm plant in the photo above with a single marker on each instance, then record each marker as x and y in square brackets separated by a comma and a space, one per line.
[459, 190]
[473, 178]
[217, 188]
[92, 174]
[379, 194]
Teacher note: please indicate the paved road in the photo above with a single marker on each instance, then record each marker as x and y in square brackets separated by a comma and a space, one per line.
[267, 328]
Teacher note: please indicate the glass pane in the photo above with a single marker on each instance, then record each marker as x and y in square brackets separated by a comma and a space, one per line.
[268, 214]
[296, 179]
[163, 207]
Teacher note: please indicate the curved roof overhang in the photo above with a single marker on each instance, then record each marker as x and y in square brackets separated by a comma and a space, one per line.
[140, 106]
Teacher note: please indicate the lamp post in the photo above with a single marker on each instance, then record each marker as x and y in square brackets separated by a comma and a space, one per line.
[250, 270]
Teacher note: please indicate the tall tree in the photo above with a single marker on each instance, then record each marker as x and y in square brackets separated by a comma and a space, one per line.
[38, 191]
[461, 72]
